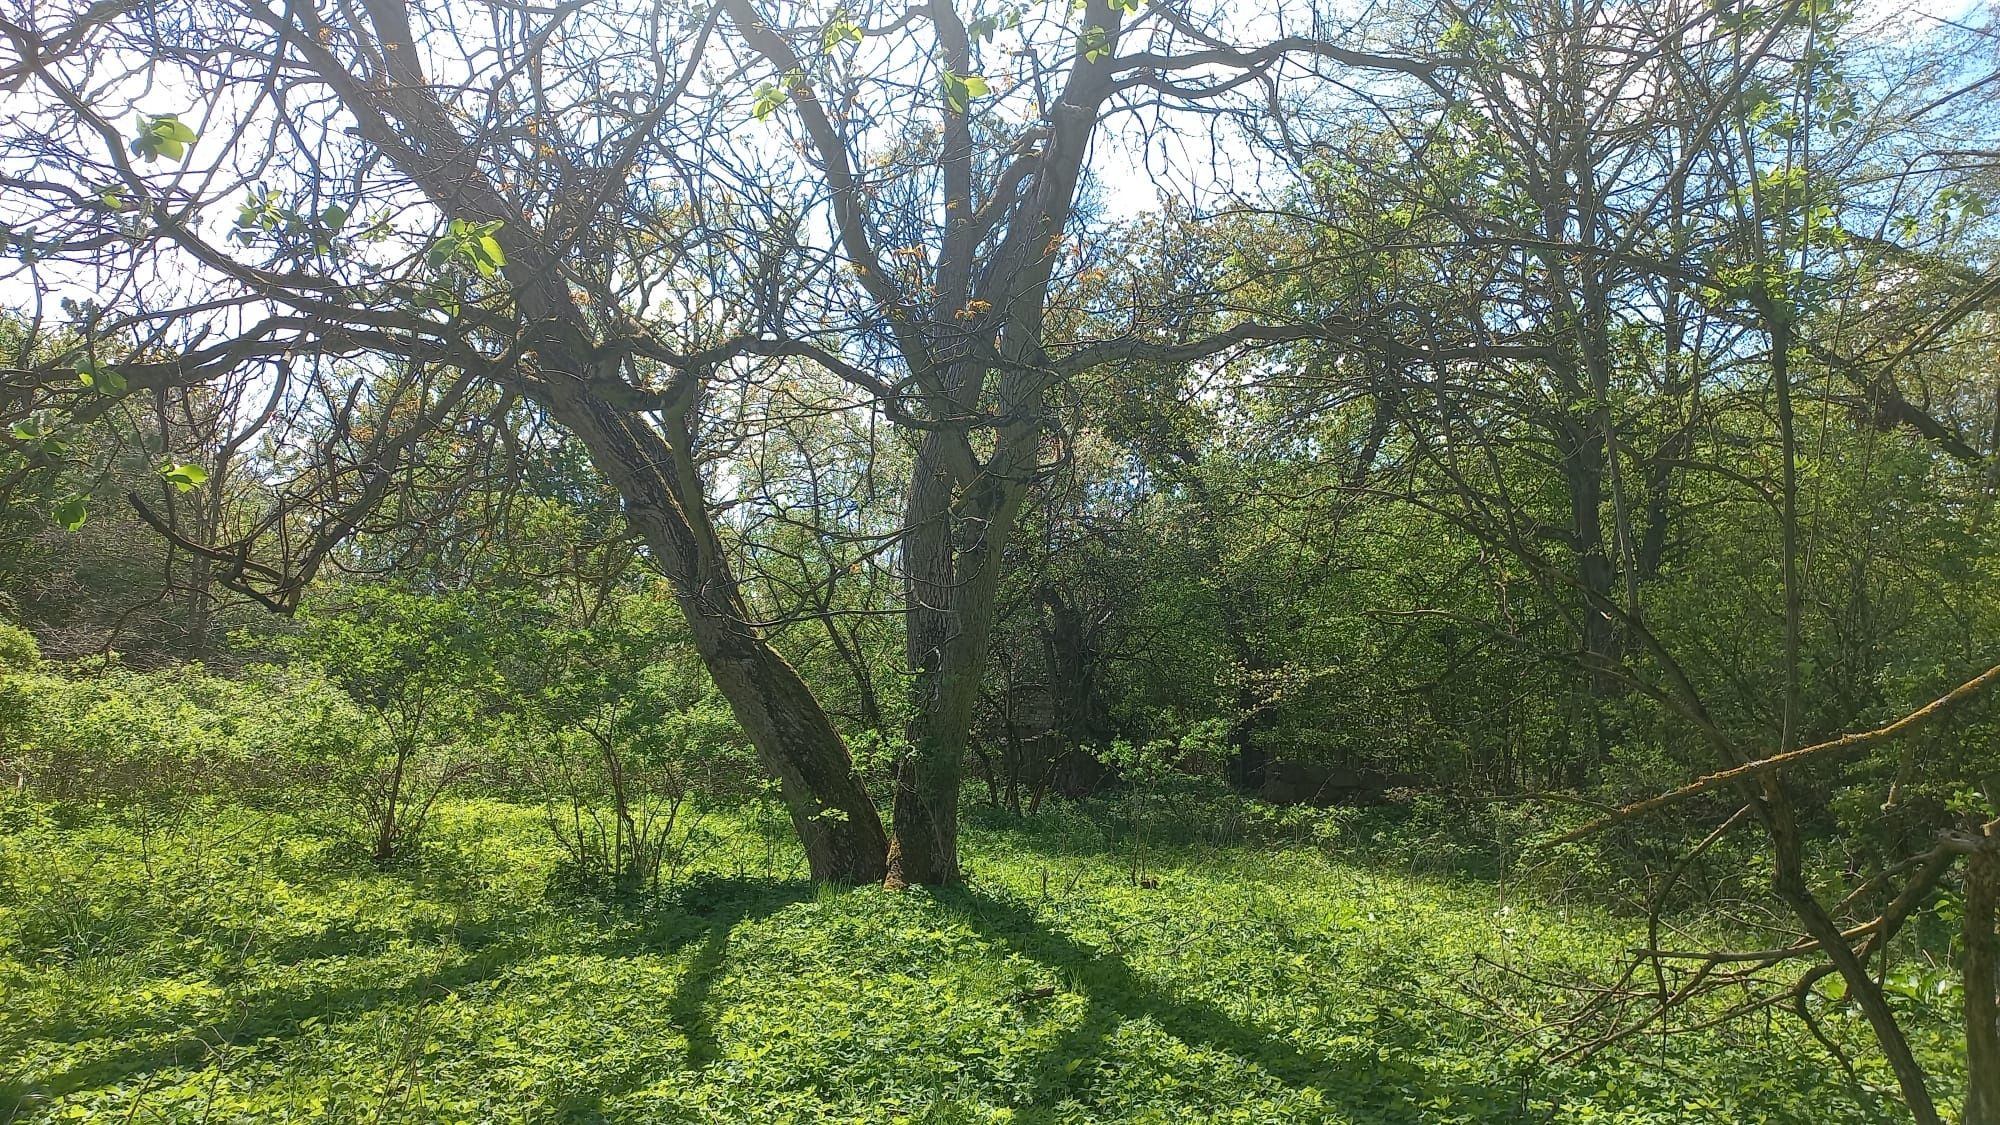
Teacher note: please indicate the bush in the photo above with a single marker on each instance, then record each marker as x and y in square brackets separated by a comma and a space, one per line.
[636, 744]
[421, 673]
[106, 734]
[18, 650]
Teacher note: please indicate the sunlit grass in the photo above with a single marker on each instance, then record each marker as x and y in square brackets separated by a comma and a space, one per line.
[247, 968]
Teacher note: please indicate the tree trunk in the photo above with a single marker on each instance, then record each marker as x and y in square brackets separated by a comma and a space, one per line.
[795, 740]
[1788, 882]
[952, 565]
[797, 743]
[1982, 978]
[1082, 718]
[925, 814]
[654, 471]
[387, 830]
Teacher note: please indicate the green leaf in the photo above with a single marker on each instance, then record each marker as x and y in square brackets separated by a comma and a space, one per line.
[106, 380]
[1094, 44]
[489, 248]
[769, 100]
[184, 476]
[841, 30]
[71, 514]
[468, 247]
[960, 89]
[162, 134]
[441, 299]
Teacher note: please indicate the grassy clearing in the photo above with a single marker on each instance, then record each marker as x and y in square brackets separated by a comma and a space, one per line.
[244, 968]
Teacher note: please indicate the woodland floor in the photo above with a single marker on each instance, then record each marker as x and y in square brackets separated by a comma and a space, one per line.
[241, 968]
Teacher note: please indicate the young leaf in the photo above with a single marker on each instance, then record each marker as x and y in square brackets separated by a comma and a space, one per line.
[71, 514]
[841, 30]
[162, 134]
[1094, 44]
[489, 249]
[960, 89]
[769, 100]
[184, 476]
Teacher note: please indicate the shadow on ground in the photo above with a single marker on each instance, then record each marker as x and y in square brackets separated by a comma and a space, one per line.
[1116, 993]
[702, 914]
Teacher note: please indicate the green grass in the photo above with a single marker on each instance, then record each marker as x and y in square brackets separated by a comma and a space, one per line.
[244, 968]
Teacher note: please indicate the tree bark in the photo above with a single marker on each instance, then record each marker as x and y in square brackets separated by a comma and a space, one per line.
[1788, 882]
[1982, 978]
[951, 559]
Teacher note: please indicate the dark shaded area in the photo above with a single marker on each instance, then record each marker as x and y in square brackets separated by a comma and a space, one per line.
[159, 1044]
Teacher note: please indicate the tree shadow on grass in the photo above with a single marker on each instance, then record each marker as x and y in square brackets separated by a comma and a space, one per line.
[1115, 993]
[159, 1044]
[701, 914]
[707, 911]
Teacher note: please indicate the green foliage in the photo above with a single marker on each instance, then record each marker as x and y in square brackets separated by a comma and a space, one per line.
[1094, 44]
[106, 734]
[162, 134]
[425, 669]
[840, 31]
[633, 745]
[18, 650]
[235, 968]
[183, 476]
[71, 513]
[469, 248]
[959, 90]
[264, 215]
[95, 375]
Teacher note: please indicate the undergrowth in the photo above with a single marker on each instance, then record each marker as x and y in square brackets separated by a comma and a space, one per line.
[243, 965]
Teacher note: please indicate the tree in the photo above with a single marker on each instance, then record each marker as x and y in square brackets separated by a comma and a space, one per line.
[470, 241]
[969, 278]
[410, 205]
[1656, 242]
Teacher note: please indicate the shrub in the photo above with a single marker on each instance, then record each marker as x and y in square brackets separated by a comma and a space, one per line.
[637, 744]
[420, 671]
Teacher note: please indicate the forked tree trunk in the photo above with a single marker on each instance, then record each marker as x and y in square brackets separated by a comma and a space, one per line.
[398, 109]
[961, 506]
